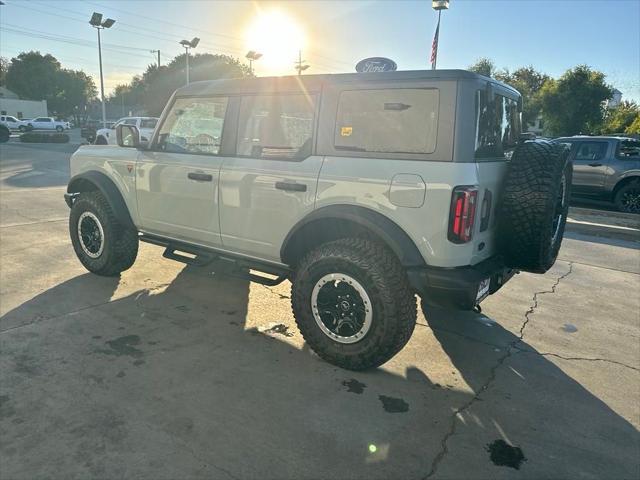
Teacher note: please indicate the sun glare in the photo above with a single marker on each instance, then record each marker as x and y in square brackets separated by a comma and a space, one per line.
[279, 38]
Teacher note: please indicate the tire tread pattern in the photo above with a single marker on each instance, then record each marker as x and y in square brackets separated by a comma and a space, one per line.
[387, 279]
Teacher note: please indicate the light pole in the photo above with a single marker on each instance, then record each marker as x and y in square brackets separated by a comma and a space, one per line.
[437, 5]
[187, 45]
[300, 65]
[158, 52]
[252, 57]
[96, 21]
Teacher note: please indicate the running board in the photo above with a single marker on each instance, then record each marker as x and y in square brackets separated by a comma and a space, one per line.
[203, 257]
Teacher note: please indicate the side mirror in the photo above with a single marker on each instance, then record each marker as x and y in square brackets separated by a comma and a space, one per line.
[128, 136]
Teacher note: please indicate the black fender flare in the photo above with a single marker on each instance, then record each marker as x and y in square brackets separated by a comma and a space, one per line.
[378, 224]
[93, 180]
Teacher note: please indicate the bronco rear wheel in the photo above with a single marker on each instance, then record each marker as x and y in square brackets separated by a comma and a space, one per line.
[534, 207]
[102, 244]
[352, 303]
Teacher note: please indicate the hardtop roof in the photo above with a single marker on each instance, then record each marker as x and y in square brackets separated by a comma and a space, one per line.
[315, 82]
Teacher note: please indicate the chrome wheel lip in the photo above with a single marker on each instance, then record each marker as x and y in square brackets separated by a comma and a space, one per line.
[84, 247]
[368, 319]
[557, 220]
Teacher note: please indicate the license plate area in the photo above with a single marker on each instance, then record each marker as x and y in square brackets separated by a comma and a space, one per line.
[483, 289]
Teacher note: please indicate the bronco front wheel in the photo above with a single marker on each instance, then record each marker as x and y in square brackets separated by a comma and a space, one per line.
[353, 304]
[102, 244]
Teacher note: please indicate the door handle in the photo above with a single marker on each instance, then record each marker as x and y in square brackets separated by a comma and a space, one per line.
[291, 186]
[200, 177]
[595, 164]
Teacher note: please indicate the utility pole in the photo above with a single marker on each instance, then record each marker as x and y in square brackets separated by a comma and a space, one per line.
[158, 52]
[301, 65]
[98, 24]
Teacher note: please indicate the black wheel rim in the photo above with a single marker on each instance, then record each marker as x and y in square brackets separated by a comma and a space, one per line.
[630, 200]
[341, 308]
[90, 234]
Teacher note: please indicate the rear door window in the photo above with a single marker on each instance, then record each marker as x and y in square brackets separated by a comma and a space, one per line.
[629, 149]
[276, 126]
[400, 120]
[194, 125]
[498, 126]
[590, 151]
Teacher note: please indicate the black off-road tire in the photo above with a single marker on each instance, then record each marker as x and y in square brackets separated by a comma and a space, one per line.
[627, 198]
[393, 303]
[533, 211]
[120, 243]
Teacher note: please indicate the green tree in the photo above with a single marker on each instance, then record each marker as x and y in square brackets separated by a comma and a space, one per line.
[528, 81]
[621, 117]
[35, 76]
[30, 75]
[573, 104]
[634, 128]
[4, 66]
[483, 66]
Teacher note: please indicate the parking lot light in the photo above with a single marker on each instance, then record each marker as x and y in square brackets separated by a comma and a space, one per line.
[188, 44]
[96, 22]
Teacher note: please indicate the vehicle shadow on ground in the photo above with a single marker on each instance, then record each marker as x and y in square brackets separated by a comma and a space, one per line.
[201, 378]
[34, 170]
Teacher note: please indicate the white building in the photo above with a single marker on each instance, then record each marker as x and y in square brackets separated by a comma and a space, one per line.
[11, 104]
[615, 99]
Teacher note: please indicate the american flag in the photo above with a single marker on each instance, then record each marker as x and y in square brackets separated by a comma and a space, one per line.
[434, 46]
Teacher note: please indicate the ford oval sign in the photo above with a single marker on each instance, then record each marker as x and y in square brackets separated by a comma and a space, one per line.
[376, 64]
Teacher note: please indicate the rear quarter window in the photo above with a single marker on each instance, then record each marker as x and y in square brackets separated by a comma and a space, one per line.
[402, 120]
[498, 126]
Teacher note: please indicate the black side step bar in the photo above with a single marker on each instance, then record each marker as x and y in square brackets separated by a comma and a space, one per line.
[199, 260]
[203, 257]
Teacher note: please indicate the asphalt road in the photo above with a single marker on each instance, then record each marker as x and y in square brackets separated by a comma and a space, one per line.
[174, 372]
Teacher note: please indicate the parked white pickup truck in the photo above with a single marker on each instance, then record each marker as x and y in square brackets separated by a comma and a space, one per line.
[14, 123]
[47, 123]
[145, 125]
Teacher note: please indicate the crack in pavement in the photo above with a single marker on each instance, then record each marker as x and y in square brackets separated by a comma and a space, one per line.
[586, 359]
[280, 295]
[492, 374]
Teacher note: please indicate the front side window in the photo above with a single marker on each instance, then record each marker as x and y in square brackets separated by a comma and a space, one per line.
[148, 123]
[129, 121]
[194, 125]
[498, 126]
[276, 126]
[400, 120]
[589, 151]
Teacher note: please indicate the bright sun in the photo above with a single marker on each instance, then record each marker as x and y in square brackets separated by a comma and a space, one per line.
[279, 38]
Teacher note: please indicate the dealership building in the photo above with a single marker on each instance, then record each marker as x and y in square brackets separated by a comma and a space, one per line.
[11, 104]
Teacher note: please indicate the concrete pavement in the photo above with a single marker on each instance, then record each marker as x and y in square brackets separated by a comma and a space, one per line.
[178, 372]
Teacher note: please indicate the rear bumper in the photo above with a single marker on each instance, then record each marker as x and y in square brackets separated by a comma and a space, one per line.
[460, 287]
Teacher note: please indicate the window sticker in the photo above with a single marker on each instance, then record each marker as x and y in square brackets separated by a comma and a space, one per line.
[346, 131]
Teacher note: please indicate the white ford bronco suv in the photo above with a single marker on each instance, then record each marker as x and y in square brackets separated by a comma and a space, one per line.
[361, 189]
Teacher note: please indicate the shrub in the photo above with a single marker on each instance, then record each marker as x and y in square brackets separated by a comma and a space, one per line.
[32, 137]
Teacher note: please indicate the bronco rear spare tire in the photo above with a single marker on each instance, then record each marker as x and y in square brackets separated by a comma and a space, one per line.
[533, 211]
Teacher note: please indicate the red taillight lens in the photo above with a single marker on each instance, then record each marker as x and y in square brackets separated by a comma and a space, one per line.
[463, 214]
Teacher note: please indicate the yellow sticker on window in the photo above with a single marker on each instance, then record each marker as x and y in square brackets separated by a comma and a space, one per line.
[346, 131]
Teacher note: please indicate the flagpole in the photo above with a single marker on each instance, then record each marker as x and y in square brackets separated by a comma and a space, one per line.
[436, 42]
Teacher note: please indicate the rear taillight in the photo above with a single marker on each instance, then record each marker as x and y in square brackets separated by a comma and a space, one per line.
[463, 213]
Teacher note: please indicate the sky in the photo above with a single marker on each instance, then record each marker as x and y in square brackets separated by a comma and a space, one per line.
[551, 35]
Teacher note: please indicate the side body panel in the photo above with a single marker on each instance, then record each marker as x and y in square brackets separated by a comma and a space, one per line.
[116, 163]
[172, 204]
[256, 216]
[589, 173]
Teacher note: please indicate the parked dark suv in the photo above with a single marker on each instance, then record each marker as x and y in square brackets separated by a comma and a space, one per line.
[607, 168]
